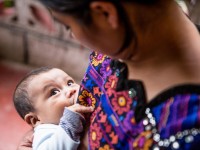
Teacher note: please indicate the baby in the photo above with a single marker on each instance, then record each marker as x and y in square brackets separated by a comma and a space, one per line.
[46, 99]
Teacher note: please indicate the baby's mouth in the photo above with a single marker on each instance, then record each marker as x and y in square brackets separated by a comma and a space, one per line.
[72, 100]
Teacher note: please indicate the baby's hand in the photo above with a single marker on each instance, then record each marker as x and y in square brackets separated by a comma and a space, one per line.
[81, 109]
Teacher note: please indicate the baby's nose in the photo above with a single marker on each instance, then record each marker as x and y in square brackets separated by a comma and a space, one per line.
[70, 93]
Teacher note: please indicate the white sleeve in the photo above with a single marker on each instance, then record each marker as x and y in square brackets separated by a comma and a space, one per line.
[52, 137]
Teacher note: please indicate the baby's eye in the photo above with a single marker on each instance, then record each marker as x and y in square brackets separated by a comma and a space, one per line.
[70, 82]
[54, 92]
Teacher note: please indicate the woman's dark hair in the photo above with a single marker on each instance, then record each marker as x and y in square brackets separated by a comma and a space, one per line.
[81, 11]
[21, 99]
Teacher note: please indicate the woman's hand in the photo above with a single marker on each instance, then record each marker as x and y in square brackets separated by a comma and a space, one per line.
[26, 142]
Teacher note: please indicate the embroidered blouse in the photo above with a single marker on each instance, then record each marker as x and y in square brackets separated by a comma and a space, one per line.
[124, 120]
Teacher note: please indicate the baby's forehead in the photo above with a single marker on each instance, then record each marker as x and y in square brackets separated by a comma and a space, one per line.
[54, 72]
[52, 75]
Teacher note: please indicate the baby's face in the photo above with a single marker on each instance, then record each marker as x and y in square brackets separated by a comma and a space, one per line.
[50, 92]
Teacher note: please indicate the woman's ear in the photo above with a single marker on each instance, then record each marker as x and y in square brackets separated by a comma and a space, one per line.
[32, 119]
[107, 10]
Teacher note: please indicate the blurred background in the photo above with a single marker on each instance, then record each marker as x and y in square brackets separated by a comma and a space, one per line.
[25, 44]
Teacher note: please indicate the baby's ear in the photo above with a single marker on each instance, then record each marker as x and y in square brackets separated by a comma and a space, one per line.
[32, 119]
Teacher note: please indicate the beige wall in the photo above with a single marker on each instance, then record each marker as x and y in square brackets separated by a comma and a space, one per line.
[24, 40]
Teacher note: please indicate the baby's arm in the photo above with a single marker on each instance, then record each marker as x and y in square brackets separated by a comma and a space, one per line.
[66, 135]
[73, 121]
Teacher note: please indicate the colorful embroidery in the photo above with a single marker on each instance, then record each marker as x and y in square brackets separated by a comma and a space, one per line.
[105, 147]
[95, 136]
[98, 59]
[119, 120]
[106, 70]
[86, 99]
[143, 141]
[121, 103]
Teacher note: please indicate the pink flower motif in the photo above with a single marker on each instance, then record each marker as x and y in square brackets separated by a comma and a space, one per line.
[121, 103]
[108, 128]
[112, 82]
[95, 136]
[94, 114]
[110, 92]
[111, 85]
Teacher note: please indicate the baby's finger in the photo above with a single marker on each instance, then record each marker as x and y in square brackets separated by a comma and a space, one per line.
[82, 109]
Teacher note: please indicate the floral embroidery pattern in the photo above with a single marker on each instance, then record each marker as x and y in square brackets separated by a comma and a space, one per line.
[121, 103]
[94, 114]
[112, 82]
[86, 99]
[130, 124]
[106, 70]
[113, 123]
[95, 136]
[111, 85]
[98, 59]
[114, 137]
[108, 128]
[105, 147]
[143, 142]
[96, 91]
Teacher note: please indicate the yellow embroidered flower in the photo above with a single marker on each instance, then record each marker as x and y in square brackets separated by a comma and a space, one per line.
[105, 147]
[143, 141]
[98, 59]
[87, 99]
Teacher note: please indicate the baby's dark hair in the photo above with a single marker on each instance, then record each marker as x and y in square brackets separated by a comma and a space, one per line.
[21, 99]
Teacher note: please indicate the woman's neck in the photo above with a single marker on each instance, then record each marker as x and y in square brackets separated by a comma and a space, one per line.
[167, 52]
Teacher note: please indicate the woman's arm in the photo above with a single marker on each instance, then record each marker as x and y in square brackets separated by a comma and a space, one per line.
[26, 142]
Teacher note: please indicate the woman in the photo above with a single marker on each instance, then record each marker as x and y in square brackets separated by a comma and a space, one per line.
[148, 95]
